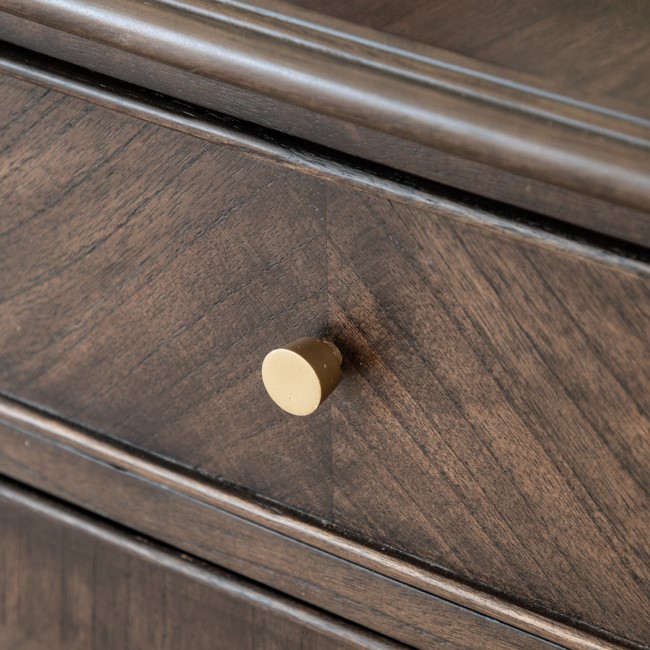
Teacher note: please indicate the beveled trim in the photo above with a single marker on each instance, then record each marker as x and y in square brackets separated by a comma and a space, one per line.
[418, 95]
[217, 580]
[217, 524]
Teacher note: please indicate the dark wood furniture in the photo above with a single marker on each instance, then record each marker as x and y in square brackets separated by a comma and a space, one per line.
[80, 583]
[188, 185]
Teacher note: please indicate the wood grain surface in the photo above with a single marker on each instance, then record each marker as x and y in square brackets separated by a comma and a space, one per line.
[213, 255]
[594, 50]
[493, 419]
[495, 416]
[267, 543]
[487, 129]
[71, 582]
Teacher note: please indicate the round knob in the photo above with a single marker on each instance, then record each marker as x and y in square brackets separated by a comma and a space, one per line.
[300, 375]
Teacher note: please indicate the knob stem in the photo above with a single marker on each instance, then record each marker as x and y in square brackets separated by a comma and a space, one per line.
[337, 352]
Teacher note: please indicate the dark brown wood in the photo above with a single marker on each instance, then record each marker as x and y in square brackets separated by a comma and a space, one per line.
[495, 415]
[586, 49]
[493, 421]
[426, 110]
[13, 639]
[68, 581]
[166, 204]
[272, 546]
[565, 205]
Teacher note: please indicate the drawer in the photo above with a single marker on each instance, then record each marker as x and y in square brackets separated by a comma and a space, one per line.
[171, 271]
[69, 581]
[492, 422]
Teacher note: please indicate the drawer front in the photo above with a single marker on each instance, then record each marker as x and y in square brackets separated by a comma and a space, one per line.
[68, 582]
[133, 256]
[493, 416]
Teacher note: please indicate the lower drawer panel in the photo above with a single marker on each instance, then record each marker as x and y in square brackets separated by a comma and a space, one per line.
[70, 582]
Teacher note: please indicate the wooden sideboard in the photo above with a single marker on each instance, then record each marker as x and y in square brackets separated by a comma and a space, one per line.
[458, 200]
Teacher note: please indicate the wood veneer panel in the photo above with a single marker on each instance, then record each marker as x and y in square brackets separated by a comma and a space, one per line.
[143, 275]
[494, 417]
[68, 582]
[492, 411]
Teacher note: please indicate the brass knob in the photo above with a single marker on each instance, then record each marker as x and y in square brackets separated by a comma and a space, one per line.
[300, 375]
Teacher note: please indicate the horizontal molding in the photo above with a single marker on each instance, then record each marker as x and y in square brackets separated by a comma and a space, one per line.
[417, 95]
[296, 154]
[148, 551]
[346, 577]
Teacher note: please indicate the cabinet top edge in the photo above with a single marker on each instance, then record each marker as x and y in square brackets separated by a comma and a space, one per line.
[416, 94]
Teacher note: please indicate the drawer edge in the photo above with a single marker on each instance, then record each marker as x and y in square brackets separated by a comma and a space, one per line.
[602, 178]
[279, 52]
[219, 525]
[223, 584]
[633, 255]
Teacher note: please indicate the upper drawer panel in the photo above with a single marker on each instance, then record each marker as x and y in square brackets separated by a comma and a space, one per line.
[144, 274]
[493, 417]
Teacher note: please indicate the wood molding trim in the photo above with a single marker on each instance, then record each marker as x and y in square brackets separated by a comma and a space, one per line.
[410, 93]
[220, 129]
[267, 544]
[224, 587]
